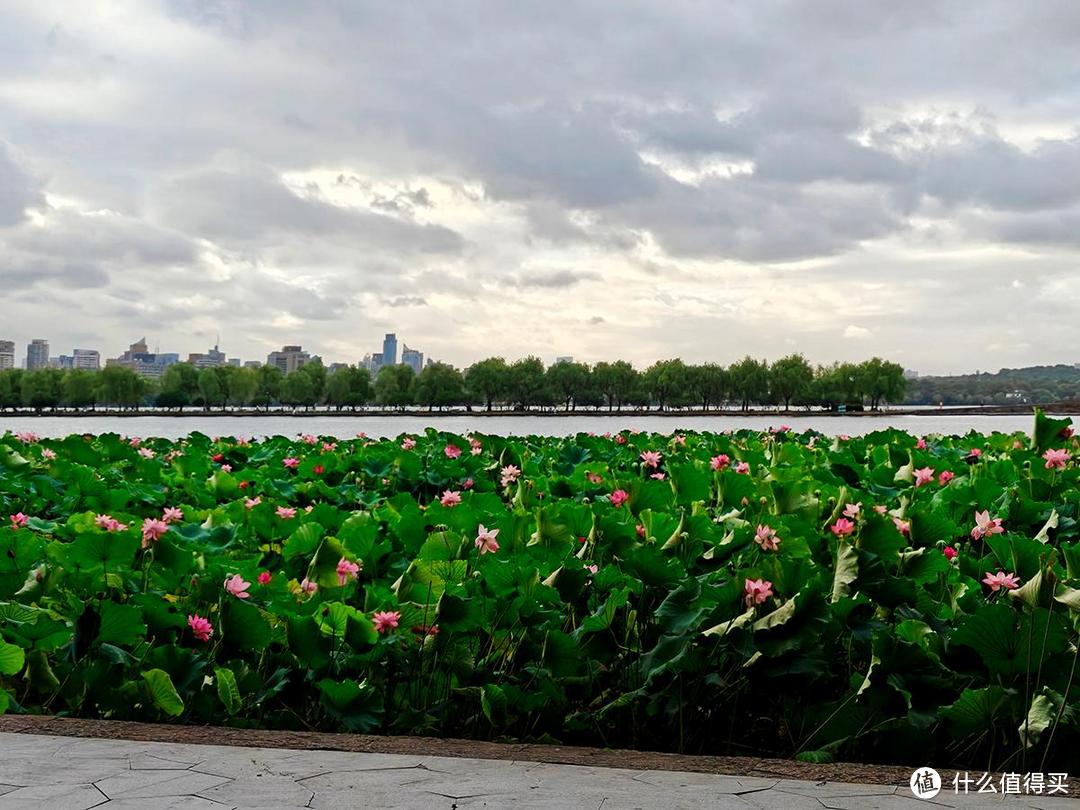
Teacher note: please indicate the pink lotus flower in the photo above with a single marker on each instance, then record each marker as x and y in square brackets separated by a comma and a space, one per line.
[640, 529]
[346, 570]
[902, 526]
[620, 439]
[200, 627]
[26, 437]
[757, 591]
[109, 523]
[217, 458]
[1066, 432]
[263, 578]
[659, 476]
[134, 441]
[1056, 459]
[385, 620]
[318, 469]
[309, 439]
[466, 484]
[172, 514]
[984, 525]
[146, 452]
[880, 508]
[308, 587]
[48, 454]
[742, 468]
[651, 458]
[475, 447]
[485, 540]
[923, 475]
[285, 512]
[945, 477]
[594, 478]
[766, 538]
[450, 498]
[950, 553]
[680, 440]
[291, 462]
[152, 530]
[1001, 580]
[18, 520]
[920, 444]
[508, 475]
[842, 528]
[329, 447]
[408, 443]
[452, 451]
[251, 503]
[851, 510]
[226, 468]
[592, 569]
[719, 462]
[237, 586]
[974, 452]
[619, 497]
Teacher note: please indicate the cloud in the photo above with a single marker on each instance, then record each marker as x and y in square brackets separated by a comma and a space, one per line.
[852, 332]
[18, 189]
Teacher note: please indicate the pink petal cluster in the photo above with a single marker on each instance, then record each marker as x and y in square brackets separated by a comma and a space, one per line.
[152, 530]
[640, 529]
[719, 462]
[109, 523]
[307, 586]
[594, 478]
[851, 510]
[485, 539]
[945, 477]
[950, 553]
[285, 512]
[450, 498]
[651, 458]
[475, 447]
[620, 439]
[18, 520]
[920, 444]
[26, 437]
[347, 570]
[742, 468]
[842, 528]
[1001, 580]
[881, 508]
[680, 440]
[329, 447]
[508, 475]
[48, 454]
[619, 497]
[172, 514]
[923, 475]
[985, 525]
[659, 476]
[408, 443]
[592, 569]
[251, 503]
[263, 578]
[757, 591]
[1056, 459]
[766, 538]
[452, 451]
[385, 620]
[237, 586]
[902, 526]
[309, 439]
[146, 452]
[291, 462]
[200, 627]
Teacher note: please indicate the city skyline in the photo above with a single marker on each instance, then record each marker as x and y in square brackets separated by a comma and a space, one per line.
[789, 176]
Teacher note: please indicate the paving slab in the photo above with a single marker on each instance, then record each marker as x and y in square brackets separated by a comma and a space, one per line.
[68, 773]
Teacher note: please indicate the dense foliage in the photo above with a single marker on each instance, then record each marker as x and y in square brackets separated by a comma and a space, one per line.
[492, 383]
[878, 598]
[1009, 386]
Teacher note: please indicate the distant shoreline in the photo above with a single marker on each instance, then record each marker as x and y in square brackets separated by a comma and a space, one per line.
[1063, 409]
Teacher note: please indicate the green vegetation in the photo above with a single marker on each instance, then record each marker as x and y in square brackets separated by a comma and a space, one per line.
[881, 599]
[1009, 386]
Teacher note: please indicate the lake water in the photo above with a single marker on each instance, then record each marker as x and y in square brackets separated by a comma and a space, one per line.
[172, 427]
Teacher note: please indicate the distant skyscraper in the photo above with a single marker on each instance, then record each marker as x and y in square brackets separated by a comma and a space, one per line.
[214, 357]
[143, 362]
[7, 354]
[412, 358]
[89, 359]
[289, 359]
[389, 349]
[37, 354]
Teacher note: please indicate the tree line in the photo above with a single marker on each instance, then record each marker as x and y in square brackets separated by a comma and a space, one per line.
[490, 384]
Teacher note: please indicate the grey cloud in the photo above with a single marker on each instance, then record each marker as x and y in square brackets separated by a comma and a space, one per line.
[550, 279]
[18, 189]
[405, 301]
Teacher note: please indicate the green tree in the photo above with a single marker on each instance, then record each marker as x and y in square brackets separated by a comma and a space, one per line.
[80, 388]
[316, 372]
[243, 386]
[487, 381]
[881, 381]
[569, 383]
[749, 379]
[667, 382]
[790, 379]
[42, 388]
[394, 386]
[348, 388]
[11, 388]
[440, 385]
[181, 382]
[707, 383]
[121, 387]
[268, 390]
[298, 390]
[528, 383]
[210, 389]
[615, 381]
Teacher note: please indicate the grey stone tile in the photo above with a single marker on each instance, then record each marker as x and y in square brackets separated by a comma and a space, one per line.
[170, 803]
[58, 771]
[53, 797]
[265, 791]
[154, 784]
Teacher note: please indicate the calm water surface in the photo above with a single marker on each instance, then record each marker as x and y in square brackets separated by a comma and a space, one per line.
[172, 427]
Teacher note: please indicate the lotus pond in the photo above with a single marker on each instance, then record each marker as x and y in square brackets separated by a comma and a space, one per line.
[879, 599]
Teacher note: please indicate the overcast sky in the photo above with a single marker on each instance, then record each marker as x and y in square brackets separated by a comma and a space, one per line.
[633, 180]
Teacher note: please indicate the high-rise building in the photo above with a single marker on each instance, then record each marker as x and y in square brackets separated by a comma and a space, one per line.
[252, 364]
[412, 358]
[37, 354]
[289, 359]
[143, 362]
[89, 359]
[7, 354]
[64, 361]
[212, 358]
[389, 349]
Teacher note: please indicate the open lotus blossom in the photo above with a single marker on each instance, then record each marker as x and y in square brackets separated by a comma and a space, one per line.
[485, 539]
[1056, 459]
[757, 591]
[291, 462]
[920, 444]
[651, 458]
[945, 477]
[18, 520]
[881, 508]
[109, 523]
[592, 569]
[950, 553]
[251, 503]
[468, 483]
[48, 454]
[134, 441]
[226, 467]
[408, 443]
[923, 475]
[452, 451]
[347, 570]
[851, 510]
[659, 476]
[594, 478]
[308, 587]
[285, 512]
[620, 439]
[742, 468]
[263, 578]
[508, 475]
[719, 462]
[152, 529]
[450, 498]
[975, 452]
[619, 497]
[237, 586]
[146, 452]
[329, 447]
[766, 538]
[200, 627]
[680, 440]
[842, 528]
[309, 439]
[902, 526]
[985, 525]
[26, 437]
[1001, 580]
[385, 620]
[475, 447]
[172, 514]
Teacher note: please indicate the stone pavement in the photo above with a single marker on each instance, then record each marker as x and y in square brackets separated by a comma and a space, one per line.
[67, 773]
